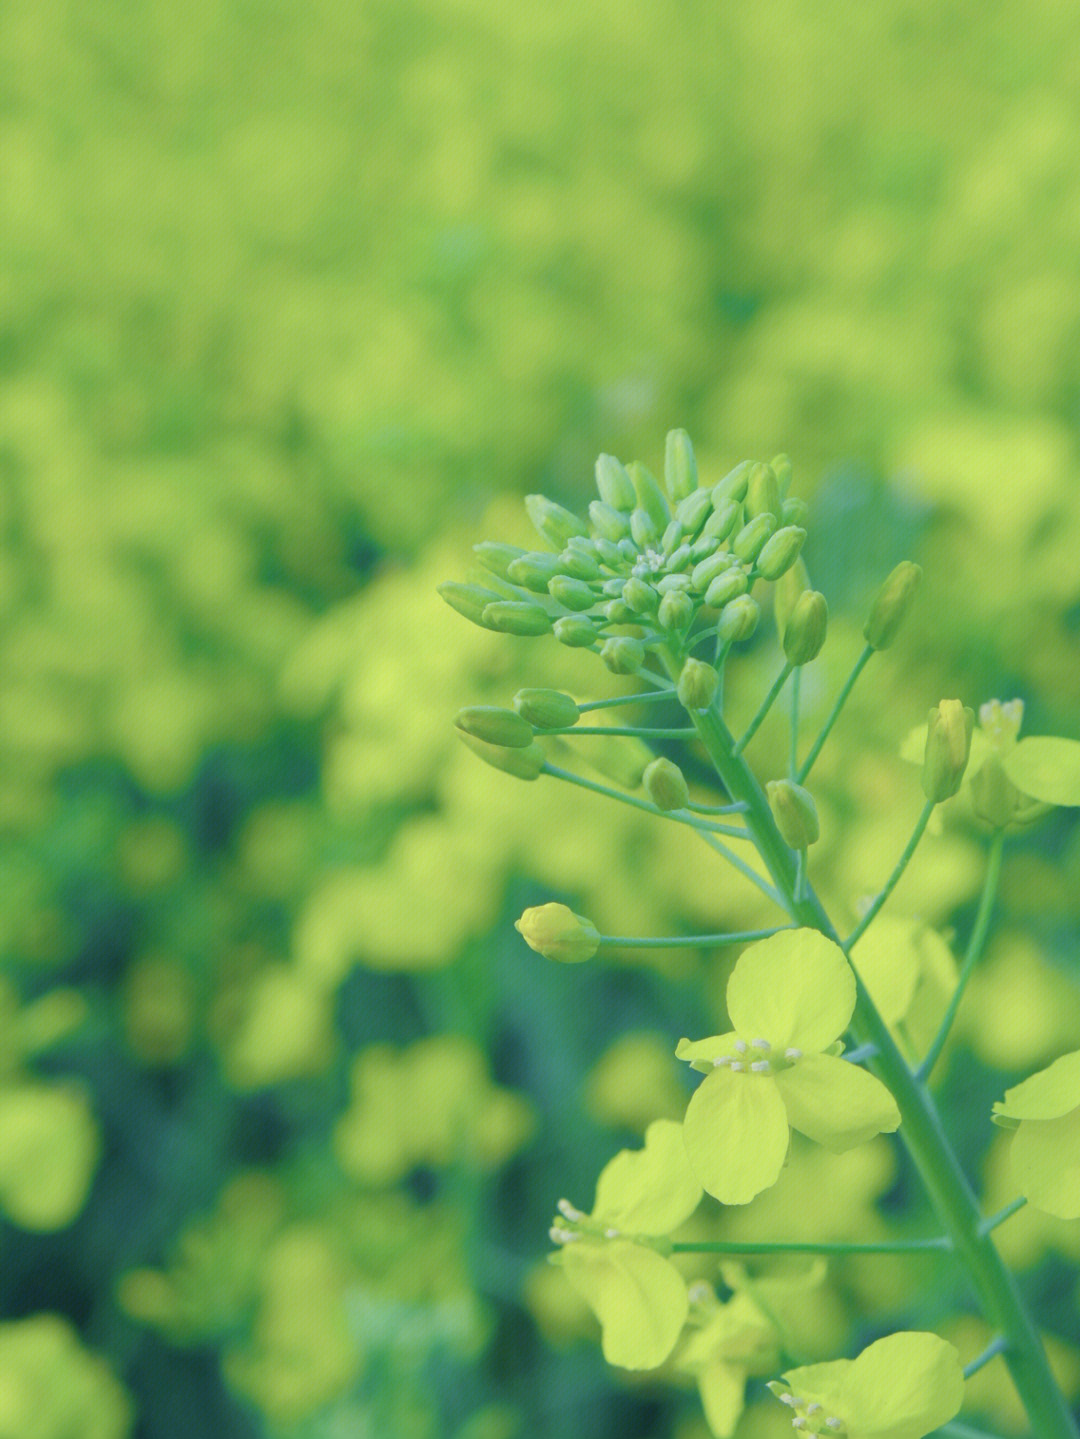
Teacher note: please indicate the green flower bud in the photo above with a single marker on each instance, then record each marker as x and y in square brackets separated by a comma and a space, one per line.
[705, 571]
[794, 511]
[495, 726]
[650, 496]
[524, 763]
[628, 550]
[891, 604]
[608, 521]
[618, 612]
[469, 600]
[794, 812]
[665, 785]
[672, 537]
[623, 655]
[697, 685]
[556, 932]
[694, 511]
[804, 633]
[738, 620]
[554, 522]
[576, 633]
[788, 588]
[733, 485]
[780, 551]
[477, 575]
[781, 468]
[517, 617]
[614, 485]
[680, 467]
[703, 547]
[547, 709]
[572, 594]
[641, 597]
[496, 557]
[671, 584]
[679, 558]
[579, 564]
[948, 743]
[763, 493]
[750, 540]
[723, 519]
[725, 587]
[643, 529]
[534, 570]
[608, 553]
[676, 610]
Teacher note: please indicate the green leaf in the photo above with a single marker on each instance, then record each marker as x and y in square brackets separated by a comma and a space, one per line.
[638, 1296]
[836, 1103]
[1045, 1164]
[736, 1134]
[793, 989]
[1046, 768]
[651, 1190]
[902, 1387]
[1049, 1094]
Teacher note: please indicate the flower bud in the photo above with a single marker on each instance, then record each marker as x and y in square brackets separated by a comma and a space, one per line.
[572, 594]
[723, 520]
[618, 612]
[738, 620]
[650, 496]
[804, 633]
[697, 685]
[672, 537]
[608, 521]
[763, 493]
[794, 812]
[703, 547]
[665, 785]
[794, 511]
[501, 589]
[676, 610]
[733, 485]
[750, 540]
[496, 557]
[780, 552]
[891, 604]
[679, 558]
[680, 467]
[725, 587]
[575, 632]
[705, 571]
[534, 570]
[579, 563]
[669, 584]
[614, 485]
[781, 468]
[469, 600]
[643, 529]
[948, 743]
[694, 511]
[554, 522]
[547, 709]
[788, 588]
[623, 655]
[495, 726]
[608, 552]
[556, 932]
[517, 617]
[524, 763]
[641, 597]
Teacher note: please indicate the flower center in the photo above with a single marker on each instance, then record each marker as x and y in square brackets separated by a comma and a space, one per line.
[810, 1417]
[757, 1057]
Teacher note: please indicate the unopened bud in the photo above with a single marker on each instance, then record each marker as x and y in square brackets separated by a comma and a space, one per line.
[623, 655]
[680, 467]
[994, 797]
[891, 604]
[670, 584]
[804, 634]
[614, 485]
[608, 552]
[789, 587]
[705, 571]
[750, 540]
[572, 594]
[517, 617]
[643, 528]
[469, 600]
[780, 552]
[641, 597]
[618, 612]
[547, 709]
[676, 610]
[524, 763]
[554, 522]
[794, 511]
[574, 632]
[694, 511]
[534, 570]
[738, 620]
[733, 485]
[495, 726]
[794, 812]
[496, 557]
[556, 932]
[672, 537]
[948, 743]
[697, 685]
[650, 496]
[665, 785]
[723, 520]
[703, 547]
[608, 521]
[726, 587]
[763, 493]
[781, 468]
[580, 563]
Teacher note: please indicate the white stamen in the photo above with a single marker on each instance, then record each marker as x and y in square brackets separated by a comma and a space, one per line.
[611, 1234]
[833, 1422]
[740, 1045]
[793, 1054]
[698, 1293]
[787, 1399]
[722, 1061]
[567, 1210]
[760, 1066]
[798, 1422]
[737, 1067]
[813, 1407]
[762, 1044]
[562, 1236]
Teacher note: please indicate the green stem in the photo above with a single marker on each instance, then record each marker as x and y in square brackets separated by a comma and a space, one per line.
[1000, 1217]
[893, 879]
[634, 699]
[620, 730]
[689, 941]
[815, 1246]
[796, 691]
[993, 1349]
[716, 808]
[764, 708]
[703, 827]
[974, 950]
[921, 1129]
[849, 685]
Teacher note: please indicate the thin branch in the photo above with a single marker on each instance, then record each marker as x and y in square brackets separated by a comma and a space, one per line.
[894, 878]
[849, 685]
[813, 1246]
[993, 1349]
[689, 941]
[986, 1225]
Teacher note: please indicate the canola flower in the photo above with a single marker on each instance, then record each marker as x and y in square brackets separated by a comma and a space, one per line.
[1045, 1152]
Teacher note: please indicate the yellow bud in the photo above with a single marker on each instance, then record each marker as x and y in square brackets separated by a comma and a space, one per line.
[547, 709]
[804, 633]
[697, 684]
[948, 743]
[794, 812]
[495, 726]
[556, 932]
[665, 785]
[524, 763]
[891, 604]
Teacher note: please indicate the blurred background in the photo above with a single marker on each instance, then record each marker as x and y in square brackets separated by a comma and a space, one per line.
[298, 301]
